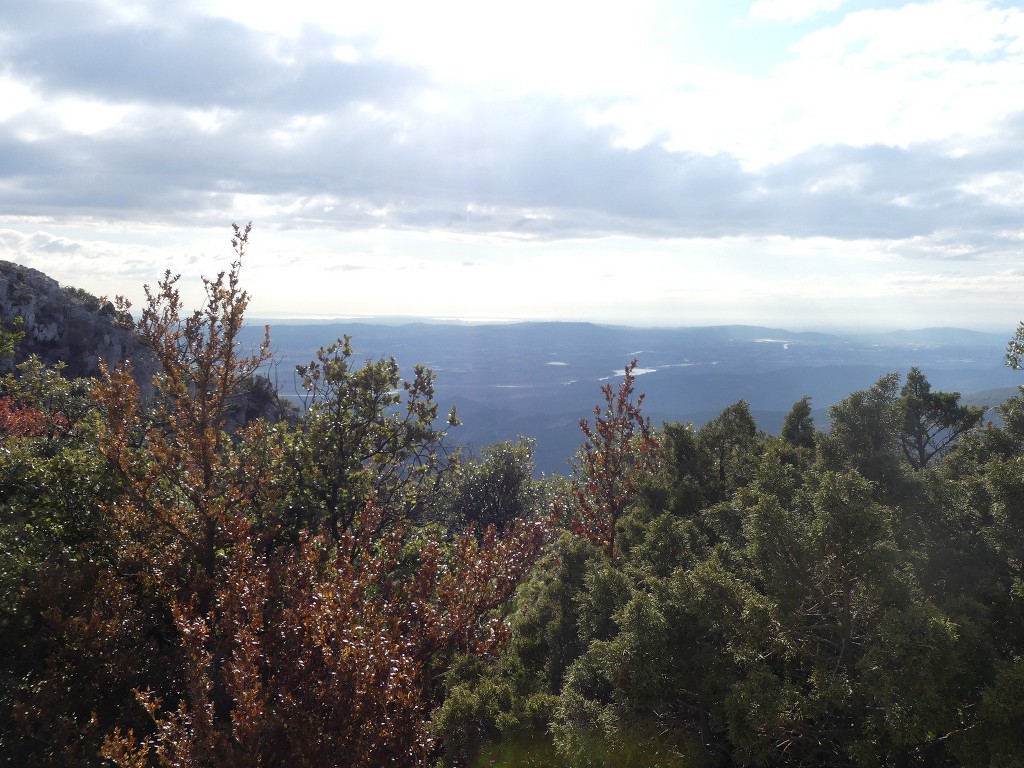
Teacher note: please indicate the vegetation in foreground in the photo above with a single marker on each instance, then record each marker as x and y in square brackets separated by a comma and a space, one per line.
[186, 584]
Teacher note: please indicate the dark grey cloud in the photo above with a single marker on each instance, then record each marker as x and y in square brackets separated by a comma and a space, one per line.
[197, 62]
[531, 167]
[553, 164]
[548, 176]
[50, 244]
[890, 192]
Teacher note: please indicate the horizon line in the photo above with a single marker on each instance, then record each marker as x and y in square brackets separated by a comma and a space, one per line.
[396, 320]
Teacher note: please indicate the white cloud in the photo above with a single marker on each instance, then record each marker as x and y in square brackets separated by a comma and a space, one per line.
[783, 281]
[947, 71]
[1004, 188]
[87, 116]
[15, 97]
[938, 30]
[791, 10]
[942, 72]
[570, 48]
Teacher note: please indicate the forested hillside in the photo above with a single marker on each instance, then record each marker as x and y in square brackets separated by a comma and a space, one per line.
[185, 582]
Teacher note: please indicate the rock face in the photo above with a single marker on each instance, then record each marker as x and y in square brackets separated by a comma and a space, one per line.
[65, 324]
[69, 325]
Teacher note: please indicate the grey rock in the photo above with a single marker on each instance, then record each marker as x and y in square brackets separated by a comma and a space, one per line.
[67, 325]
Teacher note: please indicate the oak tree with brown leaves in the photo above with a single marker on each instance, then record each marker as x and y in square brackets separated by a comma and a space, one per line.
[620, 449]
[320, 647]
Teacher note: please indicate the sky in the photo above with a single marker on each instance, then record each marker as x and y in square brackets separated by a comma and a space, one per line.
[803, 164]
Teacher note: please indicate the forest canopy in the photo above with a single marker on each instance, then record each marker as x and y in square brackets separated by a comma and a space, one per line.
[189, 579]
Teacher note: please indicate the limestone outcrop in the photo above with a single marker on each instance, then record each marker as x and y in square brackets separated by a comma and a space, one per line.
[66, 324]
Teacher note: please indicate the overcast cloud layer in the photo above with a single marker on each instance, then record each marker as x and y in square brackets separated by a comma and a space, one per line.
[805, 163]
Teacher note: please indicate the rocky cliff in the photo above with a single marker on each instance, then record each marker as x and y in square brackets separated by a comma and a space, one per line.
[69, 325]
[65, 324]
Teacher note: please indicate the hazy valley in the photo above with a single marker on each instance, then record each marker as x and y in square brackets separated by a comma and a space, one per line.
[539, 379]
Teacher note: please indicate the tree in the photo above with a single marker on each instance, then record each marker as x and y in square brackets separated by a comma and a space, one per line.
[1015, 349]
[684, 470]
[57, 402]
[619, 452]
[731, 444]
[20, 420]
[874, 429]
[495, 489]
[825, 681]
[863, 430]
[71, 651]
[931, 421]
[176, 460]
[325, 654]
[367, 435]
[309, 644]
[10, 337]
[764, 607]
[798, 427]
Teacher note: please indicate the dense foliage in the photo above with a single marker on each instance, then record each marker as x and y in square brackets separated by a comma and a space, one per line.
[187, 581]
[183, 589]
[850, 597]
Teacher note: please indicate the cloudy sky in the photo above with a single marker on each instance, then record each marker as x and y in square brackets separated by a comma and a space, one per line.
[800, 163]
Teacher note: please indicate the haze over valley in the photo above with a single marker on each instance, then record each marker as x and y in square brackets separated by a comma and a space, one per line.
[538, 379]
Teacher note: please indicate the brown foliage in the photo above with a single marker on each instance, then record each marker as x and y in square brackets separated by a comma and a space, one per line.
[183, 483]
[309, 658]
[620, 449]
[320, 649]
[21, 420]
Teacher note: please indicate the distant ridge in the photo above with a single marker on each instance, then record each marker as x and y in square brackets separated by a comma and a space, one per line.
[936, 336]
[538, 378]
[943, 336]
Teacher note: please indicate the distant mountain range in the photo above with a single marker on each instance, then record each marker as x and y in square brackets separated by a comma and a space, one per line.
[538, 379]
